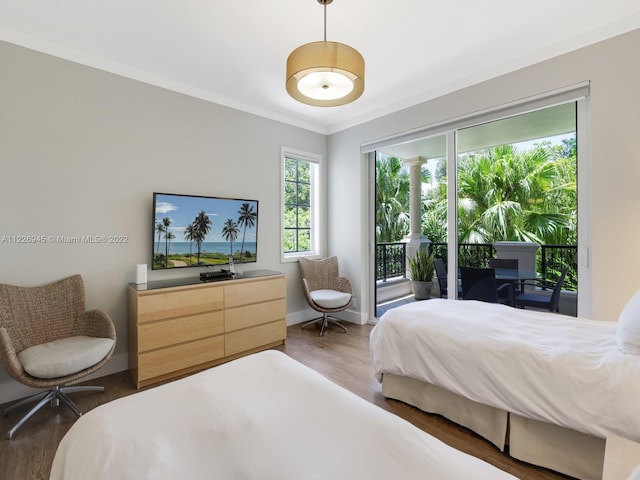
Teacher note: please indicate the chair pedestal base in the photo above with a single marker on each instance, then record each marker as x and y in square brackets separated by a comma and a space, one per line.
[326, 320]
[53, 395]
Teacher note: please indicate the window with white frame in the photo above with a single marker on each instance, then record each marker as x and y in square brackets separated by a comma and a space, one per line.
[300, 204]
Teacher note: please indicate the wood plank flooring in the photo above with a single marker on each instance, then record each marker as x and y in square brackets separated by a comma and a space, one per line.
[343, 358]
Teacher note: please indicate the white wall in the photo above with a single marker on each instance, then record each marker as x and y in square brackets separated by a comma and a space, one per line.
[82, 151]
[614, 74]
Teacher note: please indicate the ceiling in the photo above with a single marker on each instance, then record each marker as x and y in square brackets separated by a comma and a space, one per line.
[234, 52]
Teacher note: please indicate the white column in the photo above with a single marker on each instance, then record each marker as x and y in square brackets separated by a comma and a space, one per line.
[415, 238]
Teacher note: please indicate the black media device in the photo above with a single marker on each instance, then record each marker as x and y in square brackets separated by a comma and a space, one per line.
[215, 276]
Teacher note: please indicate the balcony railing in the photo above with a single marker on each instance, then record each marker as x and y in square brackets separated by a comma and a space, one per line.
[391, 261]
[551, 259]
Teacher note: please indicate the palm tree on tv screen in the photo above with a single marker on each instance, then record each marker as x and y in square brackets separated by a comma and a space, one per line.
[248, 218]
[166, 222]
[189, 237]
[230, 233]
[160, 229]
[201, 227]
[170, 236]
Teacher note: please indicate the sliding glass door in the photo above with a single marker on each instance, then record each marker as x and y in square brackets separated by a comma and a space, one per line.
[510, 179]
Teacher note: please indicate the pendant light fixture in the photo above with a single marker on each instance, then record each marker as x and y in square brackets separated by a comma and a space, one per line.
[325, 74]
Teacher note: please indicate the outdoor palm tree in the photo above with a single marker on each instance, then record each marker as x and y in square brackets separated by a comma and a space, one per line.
[247, 218]
[505, 194]
[201, 227]
[392, 199]
[230, 233]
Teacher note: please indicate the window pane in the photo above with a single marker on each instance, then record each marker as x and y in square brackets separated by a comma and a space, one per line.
[290, 169]
[290, 240]
[304, 217]
[300, 177]
[304, 170]
[304, 240]
[290, 193]
[304, 194]
[290, 217]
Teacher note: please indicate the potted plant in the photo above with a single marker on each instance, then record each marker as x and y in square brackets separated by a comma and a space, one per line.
[421, 270]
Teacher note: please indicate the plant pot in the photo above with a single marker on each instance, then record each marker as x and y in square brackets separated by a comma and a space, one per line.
[421, 290]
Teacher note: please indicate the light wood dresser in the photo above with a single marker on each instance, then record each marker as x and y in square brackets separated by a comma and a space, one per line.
[181, 326]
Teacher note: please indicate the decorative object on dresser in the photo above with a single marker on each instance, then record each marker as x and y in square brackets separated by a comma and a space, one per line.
[184, 325]
[48, 339]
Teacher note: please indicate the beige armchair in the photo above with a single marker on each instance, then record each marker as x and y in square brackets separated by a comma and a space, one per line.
[324, 290]
[48, 340]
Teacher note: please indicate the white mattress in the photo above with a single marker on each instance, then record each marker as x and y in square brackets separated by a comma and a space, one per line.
[550, 367]
[264, 416]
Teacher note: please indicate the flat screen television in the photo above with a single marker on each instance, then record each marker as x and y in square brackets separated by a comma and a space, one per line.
[199, 231]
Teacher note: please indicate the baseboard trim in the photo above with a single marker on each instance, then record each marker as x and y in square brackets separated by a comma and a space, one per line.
[307, 315]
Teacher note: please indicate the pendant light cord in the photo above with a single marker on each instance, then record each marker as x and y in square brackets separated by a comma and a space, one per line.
[325, 22]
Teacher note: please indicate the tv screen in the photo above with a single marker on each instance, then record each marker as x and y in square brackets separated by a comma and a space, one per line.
[199, 231]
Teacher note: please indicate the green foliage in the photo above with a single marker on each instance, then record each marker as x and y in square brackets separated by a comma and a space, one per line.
[507, 194]
[421, 266]
[392, 199]
[297, 206]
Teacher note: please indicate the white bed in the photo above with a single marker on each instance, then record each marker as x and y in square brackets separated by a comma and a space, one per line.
[264, 416]
[545, 384]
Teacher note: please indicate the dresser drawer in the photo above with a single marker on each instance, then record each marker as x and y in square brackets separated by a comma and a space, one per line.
[172, 359]
[179, 330]
[158, 306]
[243, 340]
[252, 315]
[254, 292]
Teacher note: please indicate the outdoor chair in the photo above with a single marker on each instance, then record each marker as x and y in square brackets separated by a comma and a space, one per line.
[542, 300]
[508, 264]
[480, 284]
[441, 274]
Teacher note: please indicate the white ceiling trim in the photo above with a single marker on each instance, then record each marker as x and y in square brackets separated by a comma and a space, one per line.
[77, 56]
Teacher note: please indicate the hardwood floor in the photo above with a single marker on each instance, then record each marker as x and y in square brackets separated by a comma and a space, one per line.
[343, 358]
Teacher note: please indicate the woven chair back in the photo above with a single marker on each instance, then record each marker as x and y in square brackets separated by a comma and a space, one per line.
[320, 273]
[41, 314]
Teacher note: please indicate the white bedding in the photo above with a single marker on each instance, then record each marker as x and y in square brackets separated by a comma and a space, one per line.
[264, 416]
[550, 367]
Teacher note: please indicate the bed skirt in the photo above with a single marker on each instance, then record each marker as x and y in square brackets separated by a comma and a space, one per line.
[558, 448]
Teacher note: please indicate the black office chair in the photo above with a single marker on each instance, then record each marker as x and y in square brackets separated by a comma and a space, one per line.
[540, 300]
[480, 284]
[441, 274]
[509, 264]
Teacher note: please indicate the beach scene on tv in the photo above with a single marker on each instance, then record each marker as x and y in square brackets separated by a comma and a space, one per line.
[192, 231]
